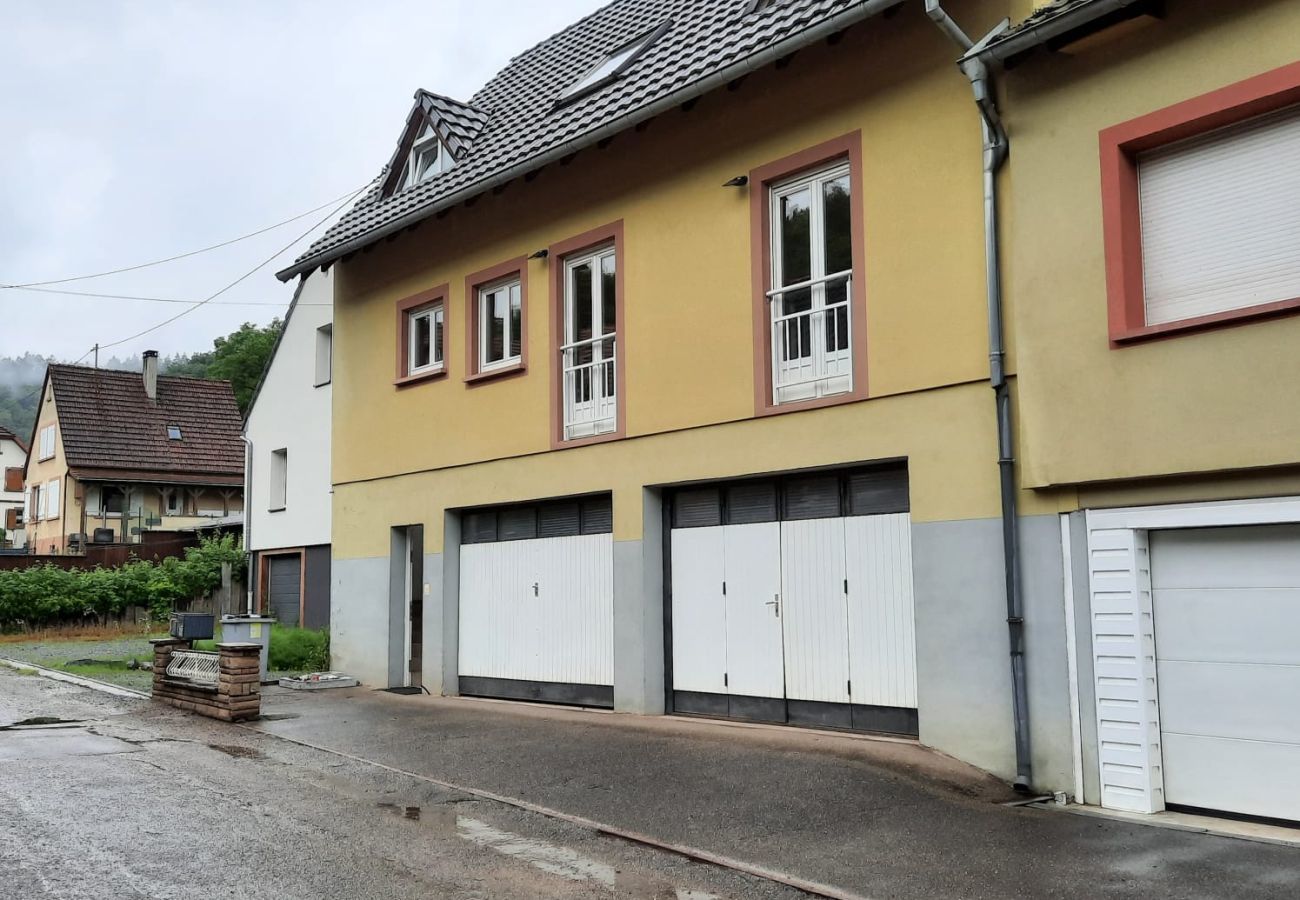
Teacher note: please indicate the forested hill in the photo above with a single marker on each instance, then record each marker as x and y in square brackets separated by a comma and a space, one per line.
[239, 357]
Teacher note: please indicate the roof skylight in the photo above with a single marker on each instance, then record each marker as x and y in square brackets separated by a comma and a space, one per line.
[612, 65]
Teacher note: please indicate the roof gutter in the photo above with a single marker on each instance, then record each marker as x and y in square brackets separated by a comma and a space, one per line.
[1050, 27]
[850, 15]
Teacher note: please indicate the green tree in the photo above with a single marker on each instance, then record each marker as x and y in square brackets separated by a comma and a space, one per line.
[240, 357]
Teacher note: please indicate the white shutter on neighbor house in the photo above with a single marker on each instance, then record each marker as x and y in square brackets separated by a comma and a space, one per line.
[1221, 219]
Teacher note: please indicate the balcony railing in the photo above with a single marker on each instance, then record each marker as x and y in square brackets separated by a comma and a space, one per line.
[812, 346]
[590, 387]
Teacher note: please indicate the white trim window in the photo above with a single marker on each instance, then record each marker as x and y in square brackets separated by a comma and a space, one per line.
[47, 443]
[428, 157]
[50, 498]
[812, 285]
[279, 483]
[324, 354]
[587, 358]
[500, 325]
[424, 340]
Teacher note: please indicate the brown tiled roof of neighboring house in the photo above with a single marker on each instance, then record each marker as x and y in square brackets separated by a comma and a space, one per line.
[7, 435]
[109, 424]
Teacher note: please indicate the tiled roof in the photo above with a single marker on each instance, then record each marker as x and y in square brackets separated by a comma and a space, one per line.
[107, 422]
[7, 435]
[706, 39]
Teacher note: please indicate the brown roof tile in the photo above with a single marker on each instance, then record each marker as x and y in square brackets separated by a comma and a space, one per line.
[107, 421]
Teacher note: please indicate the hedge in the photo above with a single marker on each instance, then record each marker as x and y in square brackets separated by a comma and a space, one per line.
[41, 596]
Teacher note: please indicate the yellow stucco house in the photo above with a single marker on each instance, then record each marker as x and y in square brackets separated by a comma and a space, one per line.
[662, 374]
[115, 454]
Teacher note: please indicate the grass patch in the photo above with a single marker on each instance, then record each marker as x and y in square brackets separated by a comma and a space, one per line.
[292, 649]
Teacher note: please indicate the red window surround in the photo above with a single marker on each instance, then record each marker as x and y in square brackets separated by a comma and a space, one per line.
[517, 267]
[1121, 217]
[403, 307]
[761, 179]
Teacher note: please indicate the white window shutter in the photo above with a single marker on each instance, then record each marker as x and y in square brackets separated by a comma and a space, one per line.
[1221, 219]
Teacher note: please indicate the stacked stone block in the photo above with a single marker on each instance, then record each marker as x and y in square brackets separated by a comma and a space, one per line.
[235, 697]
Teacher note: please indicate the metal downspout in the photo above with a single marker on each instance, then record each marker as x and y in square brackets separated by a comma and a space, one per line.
[248, 523]
[995, 154]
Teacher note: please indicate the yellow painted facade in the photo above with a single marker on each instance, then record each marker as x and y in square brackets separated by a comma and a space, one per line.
[403, 456]
[1218, 408]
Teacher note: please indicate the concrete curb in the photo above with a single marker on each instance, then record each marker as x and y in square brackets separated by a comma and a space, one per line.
[79, 680]
[809, 887]
[1208, 825]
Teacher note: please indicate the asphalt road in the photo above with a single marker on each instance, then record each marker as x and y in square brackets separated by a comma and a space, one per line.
[132, 799]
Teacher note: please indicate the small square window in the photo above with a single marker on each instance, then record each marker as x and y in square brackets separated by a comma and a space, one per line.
[424, 347]
[173, 432]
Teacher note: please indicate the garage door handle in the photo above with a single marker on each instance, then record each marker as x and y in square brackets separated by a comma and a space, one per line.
[775, 603]
[535, 589]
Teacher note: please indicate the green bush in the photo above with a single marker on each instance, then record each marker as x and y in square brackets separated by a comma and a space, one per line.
[298, 649]
[47, 595]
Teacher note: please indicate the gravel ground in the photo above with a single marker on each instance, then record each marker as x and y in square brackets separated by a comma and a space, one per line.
[55, 655]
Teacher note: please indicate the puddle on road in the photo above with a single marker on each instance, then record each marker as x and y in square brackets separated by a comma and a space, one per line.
[238, 752]
[544, 855]
[40, 722]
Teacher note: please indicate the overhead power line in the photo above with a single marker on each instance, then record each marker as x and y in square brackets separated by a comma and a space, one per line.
[92, 294]
[159, 262]
[250, 272]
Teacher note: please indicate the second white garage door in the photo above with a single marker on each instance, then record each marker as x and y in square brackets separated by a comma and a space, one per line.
[1227, 623]
[537, 602]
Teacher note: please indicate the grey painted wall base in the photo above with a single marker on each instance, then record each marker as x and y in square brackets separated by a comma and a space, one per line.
[359, 618]
[962, 662]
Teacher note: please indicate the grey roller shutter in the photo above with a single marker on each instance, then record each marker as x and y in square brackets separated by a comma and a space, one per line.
[877, 491]
[559, 519]
[812, 497]
[751, 501]
[697, 507]
[479, 526]
[517, 523]
[597, 515]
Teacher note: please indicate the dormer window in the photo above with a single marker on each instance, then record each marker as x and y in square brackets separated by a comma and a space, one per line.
[612, 65]
[428, 157]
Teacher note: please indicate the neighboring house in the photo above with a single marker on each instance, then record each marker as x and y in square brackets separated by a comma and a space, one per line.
[118, 453]
[13, 458]
[287, 480]
[1155, 281]
[662, 383]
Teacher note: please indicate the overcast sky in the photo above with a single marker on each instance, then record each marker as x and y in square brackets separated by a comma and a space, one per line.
[135, 131]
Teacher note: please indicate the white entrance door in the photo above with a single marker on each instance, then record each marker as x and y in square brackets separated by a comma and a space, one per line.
[1227, 624]
[538, 610]
[753, 605]
[699, 610]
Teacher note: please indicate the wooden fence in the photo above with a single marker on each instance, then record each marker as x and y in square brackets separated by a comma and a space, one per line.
[154, 546]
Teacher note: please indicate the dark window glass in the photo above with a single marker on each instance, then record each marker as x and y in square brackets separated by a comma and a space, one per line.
[480, 526]
[517, 523]
[751, 501]
[875, 491]
[558, 519]
[696, 507]
[796, 240]
[812, 497]
[597, 515]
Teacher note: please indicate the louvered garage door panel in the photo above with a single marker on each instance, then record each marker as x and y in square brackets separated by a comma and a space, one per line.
[813, 610]
[284, 584]
[882, 634]
[561, 631]
[1227, 622]
[1221, 219]
[699, 613]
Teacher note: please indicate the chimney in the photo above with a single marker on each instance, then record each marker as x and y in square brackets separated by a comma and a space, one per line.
[151, 374]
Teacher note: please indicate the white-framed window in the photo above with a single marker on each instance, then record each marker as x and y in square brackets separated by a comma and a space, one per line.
[812, 285]
[588, 356]
[1219, 220]
[172, 502]
[50, 497]
[47, 443]
[35, 508]
[424, 344]
[500, 324]
[427, 158]
[279, 480]
[324, 354]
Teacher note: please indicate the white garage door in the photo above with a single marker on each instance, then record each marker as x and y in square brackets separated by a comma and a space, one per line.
[792, 601]
[537, 602]
[1227, 624]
